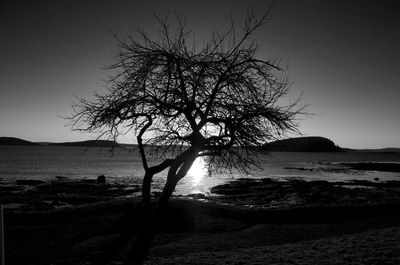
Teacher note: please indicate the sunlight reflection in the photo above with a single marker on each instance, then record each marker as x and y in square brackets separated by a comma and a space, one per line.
[198, 171]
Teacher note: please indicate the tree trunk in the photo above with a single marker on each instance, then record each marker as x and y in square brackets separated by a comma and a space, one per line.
[146, 187]
[143, 243]
[145, 238]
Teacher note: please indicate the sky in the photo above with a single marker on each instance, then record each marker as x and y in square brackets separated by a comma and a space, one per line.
[343, 56]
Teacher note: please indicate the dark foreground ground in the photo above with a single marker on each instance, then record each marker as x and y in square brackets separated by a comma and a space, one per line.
[245, 222]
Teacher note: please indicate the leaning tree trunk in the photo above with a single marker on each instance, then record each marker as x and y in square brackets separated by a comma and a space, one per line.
[149, 227]
[149, 224]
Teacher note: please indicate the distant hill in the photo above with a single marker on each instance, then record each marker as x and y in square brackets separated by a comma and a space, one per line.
[89, 143]
[303, 144]
[300, 144]
[14, 141]
[390, 150]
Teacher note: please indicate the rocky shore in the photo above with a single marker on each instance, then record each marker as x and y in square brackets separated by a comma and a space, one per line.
[246, 221]
[31, 195]
[297, 193]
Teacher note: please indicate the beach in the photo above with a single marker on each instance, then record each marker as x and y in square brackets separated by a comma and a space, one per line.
[199, 132]
[308, 225]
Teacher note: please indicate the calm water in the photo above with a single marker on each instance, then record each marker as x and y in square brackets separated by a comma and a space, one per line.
[46, 162]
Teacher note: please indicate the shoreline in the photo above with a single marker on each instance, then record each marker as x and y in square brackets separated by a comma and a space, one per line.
[263, 200]
[28, 195]
[218, 229]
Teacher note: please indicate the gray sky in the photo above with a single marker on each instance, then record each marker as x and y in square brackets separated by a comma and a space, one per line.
[344, 56]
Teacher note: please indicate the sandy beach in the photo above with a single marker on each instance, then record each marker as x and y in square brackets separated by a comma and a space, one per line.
[218, 229]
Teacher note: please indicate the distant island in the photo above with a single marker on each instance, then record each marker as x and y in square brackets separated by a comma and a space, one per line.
[15, 141]
[381, 150]
[89, 143]
[303, 144]
[298, 144]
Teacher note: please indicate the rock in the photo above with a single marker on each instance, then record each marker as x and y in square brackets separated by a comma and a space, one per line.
[61, 178]
[197, 196]
[266, 180]
[292, 198]
[228, 191]
[30, 182]
[88, 181]
[101, 179]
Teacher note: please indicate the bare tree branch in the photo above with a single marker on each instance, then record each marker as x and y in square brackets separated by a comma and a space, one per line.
[218, 100]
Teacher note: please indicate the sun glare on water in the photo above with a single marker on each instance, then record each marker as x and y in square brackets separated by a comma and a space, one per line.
[198, 171]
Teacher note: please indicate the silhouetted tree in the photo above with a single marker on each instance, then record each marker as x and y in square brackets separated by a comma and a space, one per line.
[216, 99]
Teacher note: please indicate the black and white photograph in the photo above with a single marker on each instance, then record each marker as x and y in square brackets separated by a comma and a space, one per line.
[165, 132]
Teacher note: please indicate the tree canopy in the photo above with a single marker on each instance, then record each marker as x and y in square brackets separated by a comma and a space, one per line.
[216, 99]
[175, 92]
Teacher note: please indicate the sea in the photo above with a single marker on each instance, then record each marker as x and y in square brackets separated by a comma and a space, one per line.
[124, 165]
